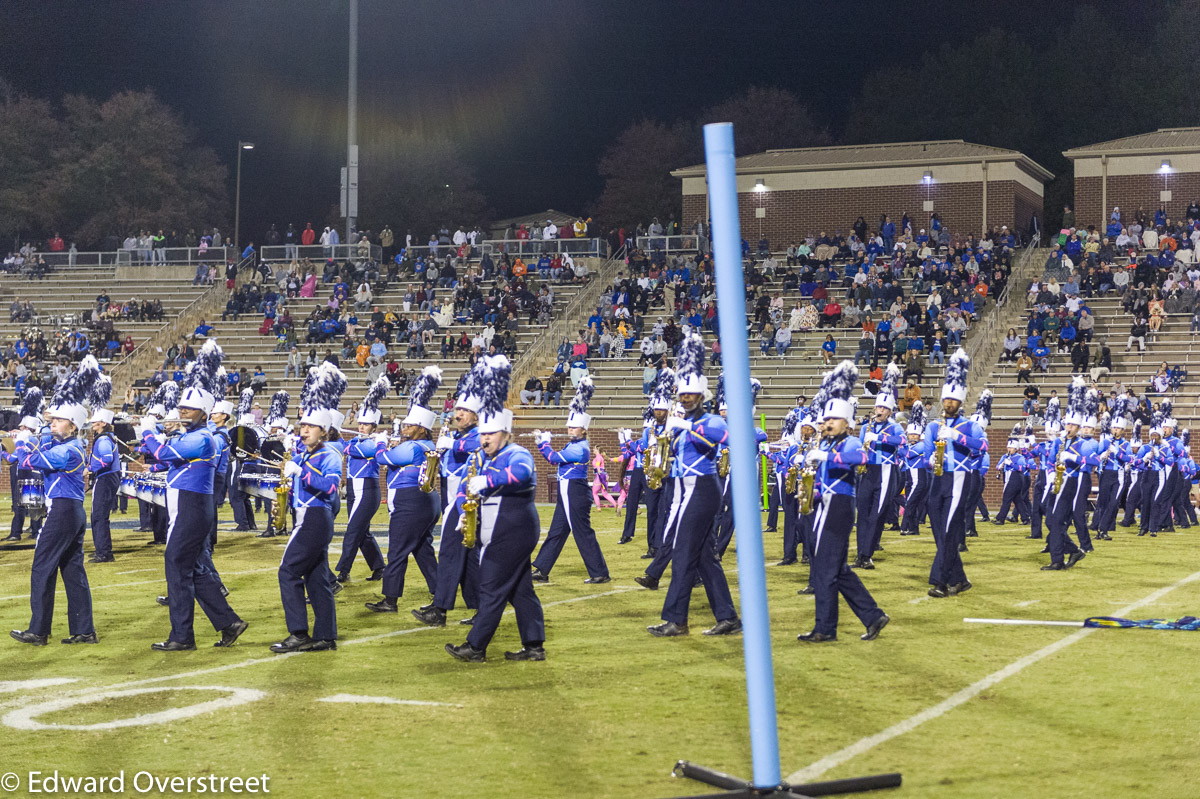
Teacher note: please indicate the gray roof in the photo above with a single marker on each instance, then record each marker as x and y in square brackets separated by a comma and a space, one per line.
[1163, 140]
[859, 156]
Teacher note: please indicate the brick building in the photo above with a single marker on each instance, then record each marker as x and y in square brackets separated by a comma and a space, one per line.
[1140, 171]
[786, 194]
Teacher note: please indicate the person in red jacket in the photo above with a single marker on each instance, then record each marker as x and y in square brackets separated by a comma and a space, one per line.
[56, 244]
[308, 236]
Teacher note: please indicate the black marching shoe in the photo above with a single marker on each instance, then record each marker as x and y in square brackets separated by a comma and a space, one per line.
[375, 576]
[815, 637]
[1033, 537]
[1054, 567]
[910, 532]
[875, 627]
[95, 559]
[808, 589]
[13, 537]
[786, 562]
[268, 533]
[939, 592]
[668, 629]
[624, 540]
[1075, 558]
[963, 548]
[292, 643]
[469, 621]
[87, 638]
[337, 588]
[466, 652]
[231, 633]
[314, 645]
[538, 577]
[1045, 550]
[165, 601]
[172, 646]
[344, 577]
[386, 604]
[959, 588]
[598, 580]
[27, 637]
[650, 553]
[725, 627]
[526, 653]
[431, 615]
[975, 533]
[804, 560]
[646, 581]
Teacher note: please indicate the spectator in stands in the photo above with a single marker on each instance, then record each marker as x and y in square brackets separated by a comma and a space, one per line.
[1102, 364]
[866, 347]
[532, 393]
[912, 393]
[831, 314]
[783, 340]
[1080, 355]
[828, 348]
[553, 391]
[1157, 314]
[203, 330]
[1012, 346]
[767, 338]
[1031, 392]
[1041, 358]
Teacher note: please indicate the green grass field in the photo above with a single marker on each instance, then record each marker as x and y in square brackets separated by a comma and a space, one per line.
[609, 712]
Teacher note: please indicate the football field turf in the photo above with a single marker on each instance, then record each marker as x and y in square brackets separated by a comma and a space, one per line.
[1106, 713]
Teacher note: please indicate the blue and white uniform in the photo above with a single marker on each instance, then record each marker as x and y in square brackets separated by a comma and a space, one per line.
[305, 564]
[104, 463]
[411, 515]
[880, 483]
[363, 496]
[572, 510]
[948, 495]
[456, 565]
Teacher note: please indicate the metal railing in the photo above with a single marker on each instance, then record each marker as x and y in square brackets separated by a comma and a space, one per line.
[167, 256]
[686, 243]
[532, 248]
[315, 252]
[986, 336]
[546, 345]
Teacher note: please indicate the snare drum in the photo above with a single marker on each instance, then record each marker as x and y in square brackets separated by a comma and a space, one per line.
[259, 485]
[128, 485]
[33, 496]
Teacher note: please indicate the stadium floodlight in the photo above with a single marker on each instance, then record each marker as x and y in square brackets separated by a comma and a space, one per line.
[1166, 166]
[246, 145]
[237, 195]
[760, 185]
[928, 177]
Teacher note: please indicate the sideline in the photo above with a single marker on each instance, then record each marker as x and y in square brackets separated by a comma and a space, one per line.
[864, 745]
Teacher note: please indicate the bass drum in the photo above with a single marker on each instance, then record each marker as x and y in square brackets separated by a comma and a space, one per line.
[246, 439]
[127, 439]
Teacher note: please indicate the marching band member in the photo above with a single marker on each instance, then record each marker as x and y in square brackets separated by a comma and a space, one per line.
[573, 509]
[1011, 469]
[631, 456]
[808, 426]
[456, 565]
[837, 460]
[783, 460]
[689, 527]
[218, 425]
[239, 501]
[191, 460]
[980, 461]
[916, 465]
[362, 487]
[658, 500]
[60, 459]
[315, 472]
[1175, 483]
[509, 527]
[1187, 472]
[1072, 455]
[411, 512]
[1133, 497]
[31, 423]
[881, 439]
[1046, 456]
[161, 409]
[277, 428]
[1115, 455]
[724, 525]
[961, 439]
[1155, 456]
[104, 466]
[1091, 412]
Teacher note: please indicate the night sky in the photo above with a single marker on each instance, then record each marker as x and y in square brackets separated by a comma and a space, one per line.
[531, 91]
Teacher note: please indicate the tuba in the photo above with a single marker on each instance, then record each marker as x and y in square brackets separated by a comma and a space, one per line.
[470, 507]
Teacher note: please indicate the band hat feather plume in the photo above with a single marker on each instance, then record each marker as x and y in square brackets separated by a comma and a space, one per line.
[886, 398]
[1122, 412]
[222, 405]
[719, 395]
[1052, 421]
[245, 406]
[664, 390]
[839, 387]
[1076, 402]
[983, 409]
[1167, 409]
[955, 387]
[418, 406]
[72, 393]
[916, 419]
[32, 406]
[370, 412]
[277, 415]
[577, 415]
[689, 366]
[326, 394]
[200, 385]
[101, 395]
[1091, 408]
[494, 373]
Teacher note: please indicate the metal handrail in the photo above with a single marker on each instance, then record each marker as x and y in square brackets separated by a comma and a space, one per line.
[174, 256]
[985, 340]
[316, 252]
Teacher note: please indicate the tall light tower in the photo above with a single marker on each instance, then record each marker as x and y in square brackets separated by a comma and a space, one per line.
[350, 173]
[237, 200]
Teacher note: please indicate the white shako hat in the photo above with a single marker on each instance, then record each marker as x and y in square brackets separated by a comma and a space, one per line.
[422, 394]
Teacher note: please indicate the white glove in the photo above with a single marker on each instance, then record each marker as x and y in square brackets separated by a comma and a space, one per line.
[23, 437]
[946, 433]
[477, 484]
[676, 423]
[1070, 458]
[445, 442]
[870, 436]
[291, 469]
[147, 425]
[542, 438]
[381, 439]
[818, 455]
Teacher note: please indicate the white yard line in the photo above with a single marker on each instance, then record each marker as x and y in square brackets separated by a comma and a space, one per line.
[382, 700]
[865, 745]
[1027, 603]
[139, 582]
[139, 571]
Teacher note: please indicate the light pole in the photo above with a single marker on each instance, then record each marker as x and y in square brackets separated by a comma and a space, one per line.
[237, 196]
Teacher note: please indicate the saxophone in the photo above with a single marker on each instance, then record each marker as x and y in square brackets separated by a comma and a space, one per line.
[427, 477]
[723, 464]
[939, 456]
[1060, 468]
[660, 460]
[282, 500]
[808, 476]
[470, 507]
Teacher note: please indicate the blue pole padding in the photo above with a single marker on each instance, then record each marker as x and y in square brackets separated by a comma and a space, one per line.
[743, 453]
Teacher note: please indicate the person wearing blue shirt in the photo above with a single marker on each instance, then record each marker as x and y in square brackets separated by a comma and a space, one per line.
[457, 567]
[1155, 457]
[509, 528]
[697, 438]
[836, 463]
[1177, 487]
[1115, 455]
[61, 460]
[723, 529]
[879, 484]
[315, 472]
[962, 439]
[573, 508]
[411, 511]
[362, 494]
[30, 423]
[191, 465]
[1011, 469]
[916, 465]
[104, 466]
[1075, 453]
